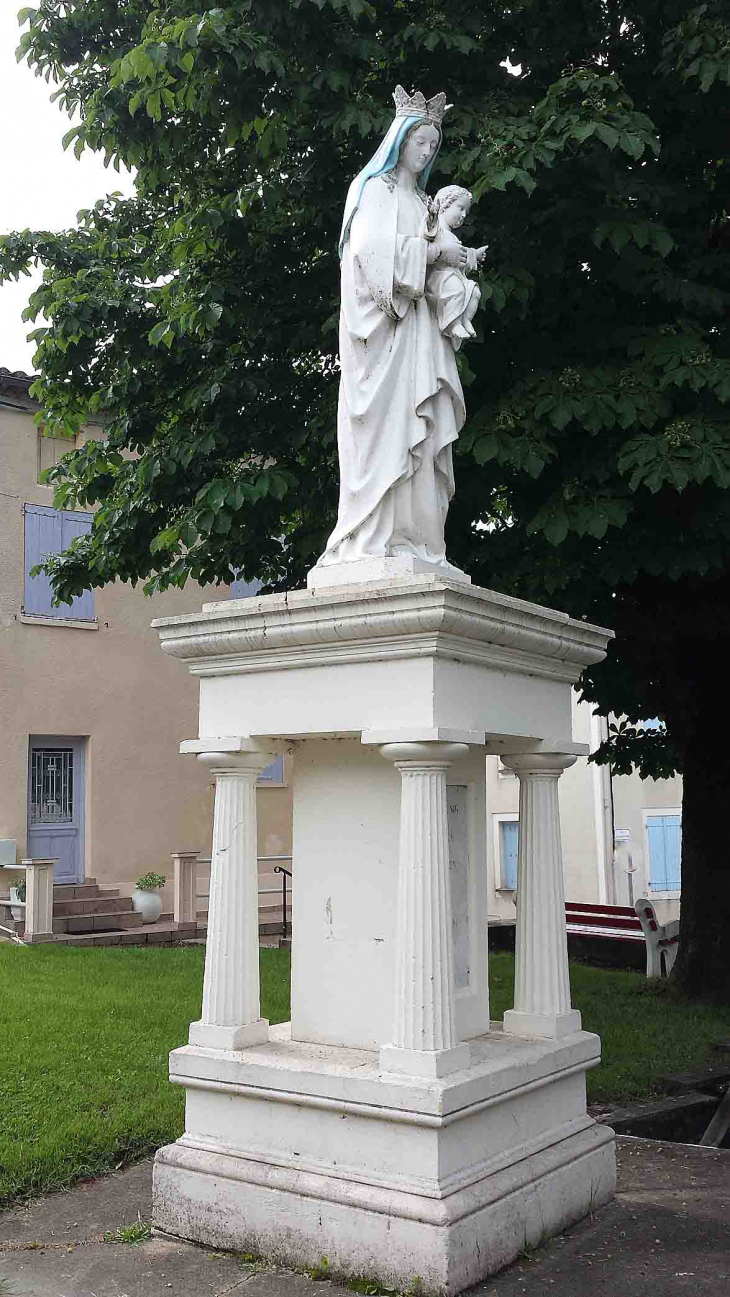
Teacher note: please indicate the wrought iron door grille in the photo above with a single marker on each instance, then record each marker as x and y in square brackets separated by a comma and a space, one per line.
[51, 785]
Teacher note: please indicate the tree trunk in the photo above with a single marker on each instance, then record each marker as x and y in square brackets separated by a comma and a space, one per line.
[702, 969]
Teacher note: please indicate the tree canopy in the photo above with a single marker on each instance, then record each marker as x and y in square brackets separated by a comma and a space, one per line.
[594, 468]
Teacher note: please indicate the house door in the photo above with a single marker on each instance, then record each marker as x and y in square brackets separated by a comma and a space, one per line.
[56, 804]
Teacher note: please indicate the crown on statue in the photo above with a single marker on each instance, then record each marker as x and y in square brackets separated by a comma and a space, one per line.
[416, 105]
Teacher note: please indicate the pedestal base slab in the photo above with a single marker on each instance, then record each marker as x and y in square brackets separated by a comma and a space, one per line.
[296, 1218]
[297, 1152]
[217, 1037]
[550, 1026]
[423, 1062]
[326, 575]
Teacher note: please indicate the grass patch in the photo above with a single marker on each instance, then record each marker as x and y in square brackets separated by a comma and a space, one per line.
[644, 1032]
[86, 1032]
[138, 1232]
[83, 1068]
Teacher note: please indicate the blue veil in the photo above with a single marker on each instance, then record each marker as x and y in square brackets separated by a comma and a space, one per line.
[383, 160]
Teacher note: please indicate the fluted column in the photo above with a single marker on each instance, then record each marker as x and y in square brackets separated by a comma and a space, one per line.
[231, 1017]
[424, 1039]
[542, 985]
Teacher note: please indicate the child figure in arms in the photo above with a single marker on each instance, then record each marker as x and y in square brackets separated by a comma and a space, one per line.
[453, 298]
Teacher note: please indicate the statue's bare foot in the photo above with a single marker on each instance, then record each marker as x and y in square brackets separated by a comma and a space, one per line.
[459, 331]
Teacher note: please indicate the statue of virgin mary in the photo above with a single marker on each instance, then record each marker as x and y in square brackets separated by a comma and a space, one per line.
[401, 404]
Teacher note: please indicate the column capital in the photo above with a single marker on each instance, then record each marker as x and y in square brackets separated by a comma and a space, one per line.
[420, 755]
[235, 763]
[539, 763]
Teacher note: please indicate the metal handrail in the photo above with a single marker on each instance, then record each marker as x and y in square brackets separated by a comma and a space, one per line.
[285, 873]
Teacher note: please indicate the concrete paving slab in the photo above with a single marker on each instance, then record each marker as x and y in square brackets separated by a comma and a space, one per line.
[85, 1212]
[668, 1230]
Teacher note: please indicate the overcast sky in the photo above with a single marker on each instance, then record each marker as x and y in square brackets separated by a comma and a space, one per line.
[41, 186]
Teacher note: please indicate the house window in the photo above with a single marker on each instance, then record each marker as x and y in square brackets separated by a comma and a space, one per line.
[51, 785]
[664, 842]
[50, 531]
[506, 838]
[273, 774]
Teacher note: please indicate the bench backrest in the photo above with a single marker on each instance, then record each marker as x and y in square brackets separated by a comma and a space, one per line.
[602, 916]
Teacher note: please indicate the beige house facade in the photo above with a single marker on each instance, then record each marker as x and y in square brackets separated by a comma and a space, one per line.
[621, 834]
[92, 711]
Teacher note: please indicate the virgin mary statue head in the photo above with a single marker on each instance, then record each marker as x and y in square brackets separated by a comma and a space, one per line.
[411, 111]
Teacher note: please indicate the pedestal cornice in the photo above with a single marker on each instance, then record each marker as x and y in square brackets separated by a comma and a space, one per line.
[421, 616]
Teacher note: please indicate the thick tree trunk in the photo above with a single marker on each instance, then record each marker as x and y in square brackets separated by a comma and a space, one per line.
[702, 969]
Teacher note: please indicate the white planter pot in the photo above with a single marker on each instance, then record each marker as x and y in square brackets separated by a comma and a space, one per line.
[148, 904]
[17, 911]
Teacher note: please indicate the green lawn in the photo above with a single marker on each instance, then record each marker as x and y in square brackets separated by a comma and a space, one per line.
[83, 1063]
[86, 1033]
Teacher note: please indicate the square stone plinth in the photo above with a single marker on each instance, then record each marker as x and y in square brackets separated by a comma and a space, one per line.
[301, 1151]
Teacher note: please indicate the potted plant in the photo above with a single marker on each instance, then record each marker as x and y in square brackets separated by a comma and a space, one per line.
[146, 899]
[17, 898]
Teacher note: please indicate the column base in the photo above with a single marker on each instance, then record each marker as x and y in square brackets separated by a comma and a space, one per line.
[251, 1033]
[424, 1062]
[547, 1026]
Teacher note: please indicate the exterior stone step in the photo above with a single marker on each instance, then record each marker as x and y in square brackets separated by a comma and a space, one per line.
[87, 923]
[271, 929]
[162, 933]
[75, 891]
[151, 934]
[93, 905]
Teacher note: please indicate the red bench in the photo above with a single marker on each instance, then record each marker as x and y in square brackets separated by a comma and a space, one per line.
[618, 922]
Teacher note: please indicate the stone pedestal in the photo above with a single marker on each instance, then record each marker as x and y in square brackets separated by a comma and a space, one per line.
[390, 1126]
[39, 900]
[184, 889]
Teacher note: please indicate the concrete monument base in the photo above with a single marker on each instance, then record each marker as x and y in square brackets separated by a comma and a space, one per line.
[392, 1128]
[299, 1152]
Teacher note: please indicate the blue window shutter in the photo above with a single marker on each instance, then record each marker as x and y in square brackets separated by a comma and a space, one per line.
[245, 589]
[273, 773]
[48, 531]
[42, 536]
[509, 832]
[73, 525]
[664, 834]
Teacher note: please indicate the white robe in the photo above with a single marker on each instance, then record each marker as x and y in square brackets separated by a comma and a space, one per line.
[401, 403]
